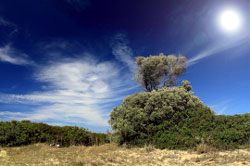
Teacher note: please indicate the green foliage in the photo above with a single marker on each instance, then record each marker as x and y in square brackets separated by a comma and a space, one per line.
[16, 133]
[155, 69]
[186, 129]
[171, 117]
[231, 131]
[142, 115]
[98, 138]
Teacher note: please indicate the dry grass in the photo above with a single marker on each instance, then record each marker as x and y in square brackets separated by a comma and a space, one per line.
[111, 155]
[204, 148]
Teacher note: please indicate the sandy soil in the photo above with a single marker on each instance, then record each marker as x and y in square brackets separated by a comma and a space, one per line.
[111, 155]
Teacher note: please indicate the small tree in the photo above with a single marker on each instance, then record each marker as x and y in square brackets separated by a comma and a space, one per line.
[153, 70]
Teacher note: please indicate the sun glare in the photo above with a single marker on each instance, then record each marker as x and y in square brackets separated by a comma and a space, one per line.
[230, 20]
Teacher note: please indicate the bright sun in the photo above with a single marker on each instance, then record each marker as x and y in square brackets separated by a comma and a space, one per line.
[230, 20]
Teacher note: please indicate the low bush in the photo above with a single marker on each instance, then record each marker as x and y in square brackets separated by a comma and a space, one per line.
[231, 131]
[17, 133]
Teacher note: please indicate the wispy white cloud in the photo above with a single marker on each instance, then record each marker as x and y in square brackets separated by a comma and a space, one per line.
[10, 55]
[6, 23]
[58, 45]
[10, 114]
[222, 107]
[219, 47]
[80, 91]
[122, 51]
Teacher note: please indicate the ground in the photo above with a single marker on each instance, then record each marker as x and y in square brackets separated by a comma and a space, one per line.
[112, 155]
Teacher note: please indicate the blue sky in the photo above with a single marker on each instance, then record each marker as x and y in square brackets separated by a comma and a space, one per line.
[69, 62]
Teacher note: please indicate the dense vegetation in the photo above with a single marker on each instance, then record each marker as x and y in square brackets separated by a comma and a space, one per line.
[17, 133]
[172, 117]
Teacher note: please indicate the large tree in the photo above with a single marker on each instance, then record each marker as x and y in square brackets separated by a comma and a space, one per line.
[153, 70]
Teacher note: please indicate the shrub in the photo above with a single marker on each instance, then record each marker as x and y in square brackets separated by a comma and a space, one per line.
[17, 133]
[174, 118]
[231, 131]
[160, 117]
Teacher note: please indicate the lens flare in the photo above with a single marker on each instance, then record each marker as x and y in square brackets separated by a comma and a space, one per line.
[230, 20]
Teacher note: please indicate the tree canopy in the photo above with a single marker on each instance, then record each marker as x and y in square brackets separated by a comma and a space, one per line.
[153, 70]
